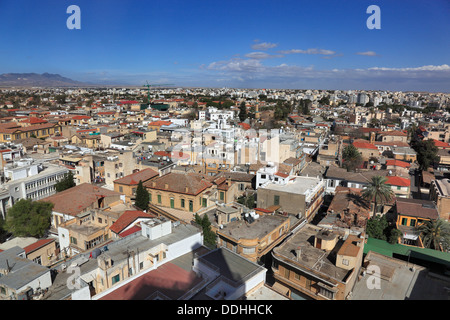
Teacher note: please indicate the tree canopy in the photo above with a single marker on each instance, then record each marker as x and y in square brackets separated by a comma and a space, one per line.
[427, 153]
[378, 191]
[209, 237]
[242, 111]
[66, 183]
[142, 197]
[351, 157]
[378, 227]
[27, 218]
[435, 234]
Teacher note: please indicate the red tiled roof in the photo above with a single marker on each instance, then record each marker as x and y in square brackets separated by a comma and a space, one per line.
[362, 144]
[81, 117]
[441, 144]
[160, 123]
[127, 218]
[34, 120]
[398, 181]
[394, 133]
[132, 230]
[244, 125]
[190, 183]
[397, 163]
[134, 178]
[74, 200]
[38, 244]
[280, 174]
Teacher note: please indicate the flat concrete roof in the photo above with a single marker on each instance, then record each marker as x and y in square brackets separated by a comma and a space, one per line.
[300, 185]
[400, 280]
[240, 229]
[311, 259]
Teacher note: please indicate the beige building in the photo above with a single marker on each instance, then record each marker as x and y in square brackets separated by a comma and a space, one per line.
[118, 165]
[187, 192]
[440, 195]
[318, 263]
[128, 184]
[300, 196]
[253, 236]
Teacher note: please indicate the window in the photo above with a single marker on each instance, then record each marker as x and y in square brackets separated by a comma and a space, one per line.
[412, 223]
[120, 189]
[150, 197]
[172, 203]
[115, 279]
[191, 205]
[159, 198]
[37, 260]
[326, 293]
[404, 221]
[276, 200]
[182, 203]
[205, 201]
[73, 240]
[141, 265]
[345, 262]
[222, 195]
[248, 250]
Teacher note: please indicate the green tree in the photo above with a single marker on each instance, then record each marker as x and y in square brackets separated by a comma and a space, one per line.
[435, 234]
[379, 228]
[242, 111]
[209, 237]
[66, 183]
[378, 192]
[351, 157]
[427, 153]
[375, 227]
[142, 197]
[27, 218]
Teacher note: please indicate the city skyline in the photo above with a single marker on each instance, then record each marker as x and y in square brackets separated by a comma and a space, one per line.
[263, 44]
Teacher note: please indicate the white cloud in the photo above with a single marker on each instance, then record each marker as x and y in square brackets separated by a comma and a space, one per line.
[261, 55]
[264, 46]
[443, 67]
[367, 53]
[308, 51]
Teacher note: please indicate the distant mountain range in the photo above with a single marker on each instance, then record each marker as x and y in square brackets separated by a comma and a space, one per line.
[38, 80]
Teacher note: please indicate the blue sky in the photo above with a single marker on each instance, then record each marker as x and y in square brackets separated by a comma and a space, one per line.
[247, 44]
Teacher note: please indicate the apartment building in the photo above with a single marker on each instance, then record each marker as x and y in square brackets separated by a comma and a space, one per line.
[440, 194]
[10, 132]
[300, 196]
[28, 180]
[118, 165]
[410, 214]
[128, 184]
[187, 192]
[319, 264]
[249, 234]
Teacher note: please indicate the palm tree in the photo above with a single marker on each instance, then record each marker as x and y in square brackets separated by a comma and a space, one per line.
[435, 233]
[378, 192]
[351, 157]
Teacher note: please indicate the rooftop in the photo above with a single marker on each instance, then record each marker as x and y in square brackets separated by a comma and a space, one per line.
[240, 229]
[311, 259]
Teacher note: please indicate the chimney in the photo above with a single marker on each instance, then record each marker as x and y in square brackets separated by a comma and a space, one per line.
[166, 186]
[298, 253]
